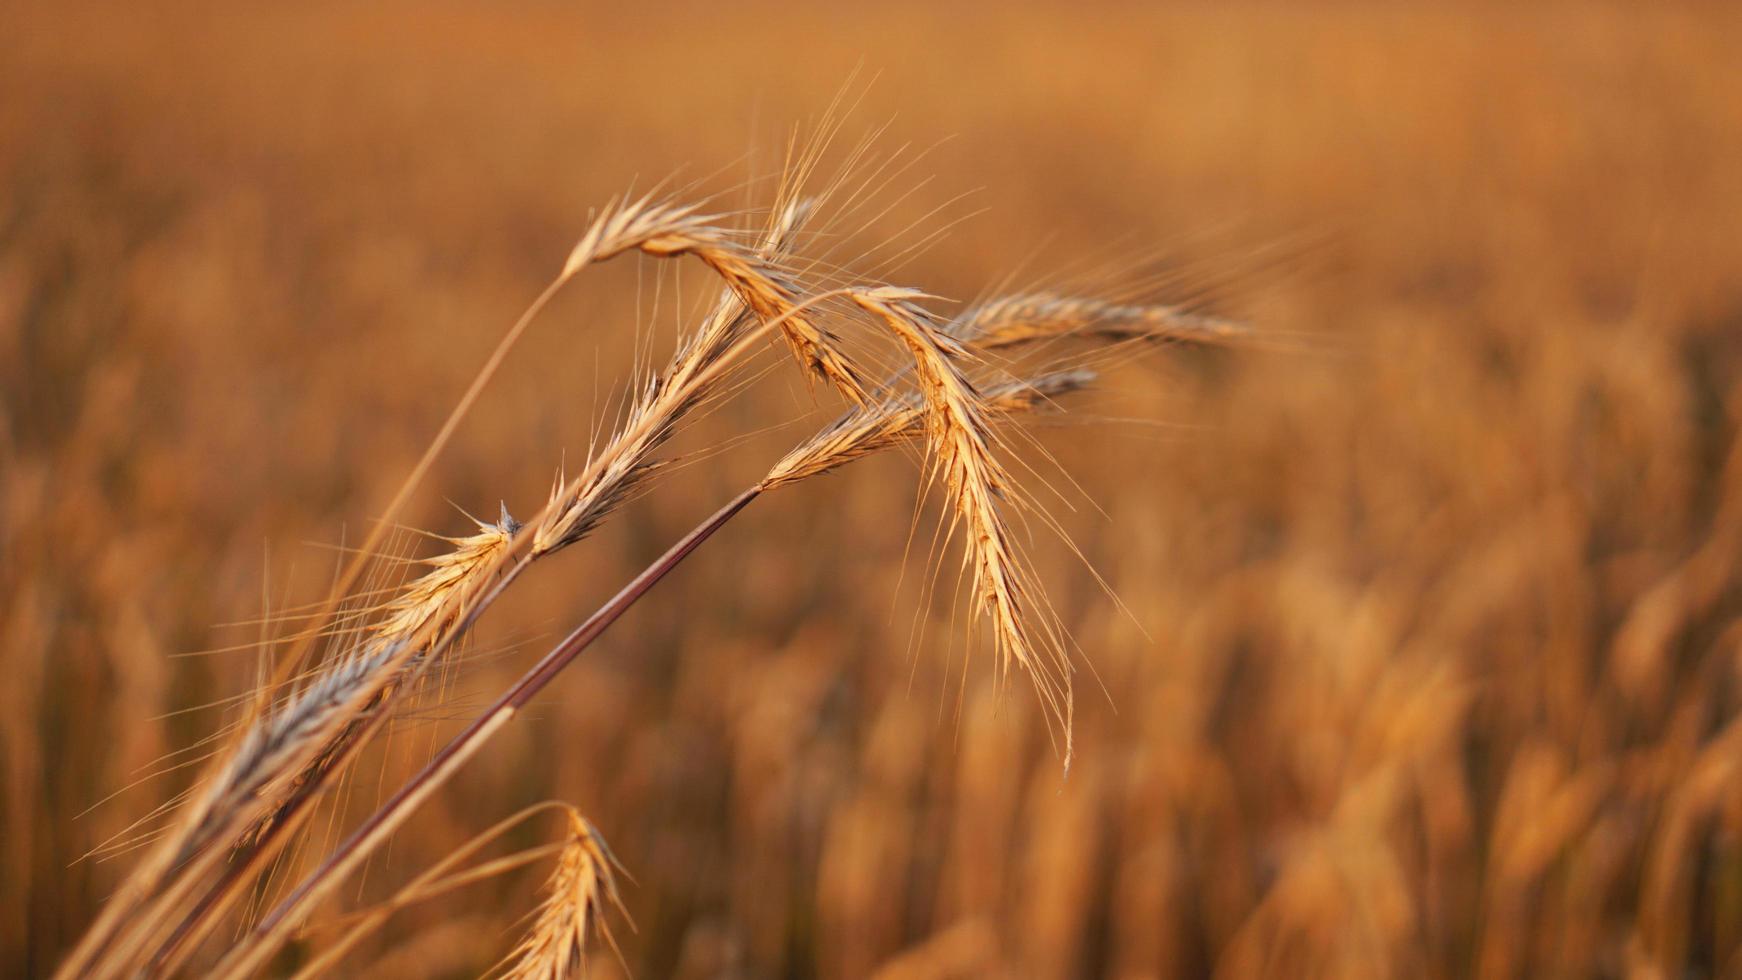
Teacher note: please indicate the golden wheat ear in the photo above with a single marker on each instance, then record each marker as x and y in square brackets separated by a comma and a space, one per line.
[269, 777]
[585, 878]
[959, 436]
[768, 290]
[1011, 321]
[572, 912]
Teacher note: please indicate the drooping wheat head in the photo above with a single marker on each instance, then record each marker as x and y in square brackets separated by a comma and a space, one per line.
[960, 436]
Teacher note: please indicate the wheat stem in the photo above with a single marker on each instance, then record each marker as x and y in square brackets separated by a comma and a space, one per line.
[272, 930]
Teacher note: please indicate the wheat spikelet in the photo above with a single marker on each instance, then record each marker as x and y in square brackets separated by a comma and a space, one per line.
[624, 226]
[958, 431]
[556, 946]
[726, 323]
[1010, 321]
[665, 229]
[426, 596]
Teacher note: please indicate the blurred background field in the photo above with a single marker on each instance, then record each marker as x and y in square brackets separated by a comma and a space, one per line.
[1434, 658]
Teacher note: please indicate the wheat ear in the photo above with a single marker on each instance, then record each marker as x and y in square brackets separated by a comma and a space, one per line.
[1023, 318]
[265, 938]
[579, 886]
[442, 878]
[270, 933]
[765, 288]
[959, 433]
[278, 758]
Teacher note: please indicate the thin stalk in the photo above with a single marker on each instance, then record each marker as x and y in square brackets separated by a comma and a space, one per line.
[272, 929]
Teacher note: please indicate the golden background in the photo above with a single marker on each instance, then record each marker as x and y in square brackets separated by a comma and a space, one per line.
[1431, 666]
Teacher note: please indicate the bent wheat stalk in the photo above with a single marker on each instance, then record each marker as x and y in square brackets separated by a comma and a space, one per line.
[576, 894]
[126, 926]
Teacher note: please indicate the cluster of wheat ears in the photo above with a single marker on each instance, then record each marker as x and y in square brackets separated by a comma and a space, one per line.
[958, 383]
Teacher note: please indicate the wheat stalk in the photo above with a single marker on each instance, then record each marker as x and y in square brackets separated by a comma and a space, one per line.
[115, 941]
[577, 506]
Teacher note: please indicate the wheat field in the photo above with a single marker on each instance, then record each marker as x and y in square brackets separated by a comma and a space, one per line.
[1404, 617]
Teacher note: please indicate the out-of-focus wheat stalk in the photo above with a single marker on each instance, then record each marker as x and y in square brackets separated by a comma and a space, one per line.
[576, 894]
